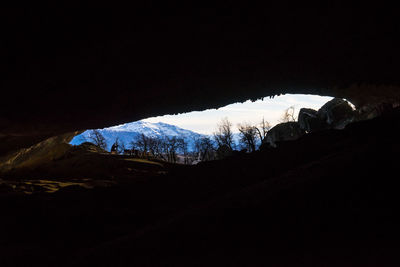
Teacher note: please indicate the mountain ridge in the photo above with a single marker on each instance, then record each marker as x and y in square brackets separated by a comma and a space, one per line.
[128, 132]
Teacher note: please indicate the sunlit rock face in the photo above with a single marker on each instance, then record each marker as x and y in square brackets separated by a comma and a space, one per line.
[126, 66]
[45, 151]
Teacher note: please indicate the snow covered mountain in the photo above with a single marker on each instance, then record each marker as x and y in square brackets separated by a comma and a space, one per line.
[128, 132]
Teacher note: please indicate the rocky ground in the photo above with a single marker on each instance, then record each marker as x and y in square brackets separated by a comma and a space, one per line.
[328, 199]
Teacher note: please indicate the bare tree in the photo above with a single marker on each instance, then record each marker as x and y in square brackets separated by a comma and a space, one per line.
[224, 135]
[183, 149]
[170, 148]
[197, 145]
[248, 136]
[167, 148]
[141, 144]
[289, 115]
[98, 139]
[263, 129]
[155, 148]
[204, 149]
[121, 147]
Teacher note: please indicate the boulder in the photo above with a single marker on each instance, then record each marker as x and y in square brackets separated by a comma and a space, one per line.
[309, 121]
[336, 113]
[286, 131]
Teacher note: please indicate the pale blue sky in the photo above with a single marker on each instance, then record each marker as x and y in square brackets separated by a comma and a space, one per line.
[252, 112]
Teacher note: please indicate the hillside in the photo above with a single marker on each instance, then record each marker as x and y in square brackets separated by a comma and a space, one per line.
[128, 132]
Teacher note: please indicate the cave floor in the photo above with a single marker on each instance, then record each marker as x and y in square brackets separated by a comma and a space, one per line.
[328, 199]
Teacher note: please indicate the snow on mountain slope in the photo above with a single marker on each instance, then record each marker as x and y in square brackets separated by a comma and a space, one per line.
[128, 132]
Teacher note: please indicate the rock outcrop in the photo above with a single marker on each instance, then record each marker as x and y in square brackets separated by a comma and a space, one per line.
[335, 114]
[309, 121]
[40, 153]
[286, 131]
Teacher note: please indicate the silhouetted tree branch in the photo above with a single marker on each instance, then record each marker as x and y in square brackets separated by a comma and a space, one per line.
[263, 129]
[224, 135]
[248, 136]
[98, 139]
[289, 115]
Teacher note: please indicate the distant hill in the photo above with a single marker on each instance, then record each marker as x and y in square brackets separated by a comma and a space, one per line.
[128, 132]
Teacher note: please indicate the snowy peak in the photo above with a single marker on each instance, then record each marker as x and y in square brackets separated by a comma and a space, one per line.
[149, 128]
[131, 127]
[128, 132]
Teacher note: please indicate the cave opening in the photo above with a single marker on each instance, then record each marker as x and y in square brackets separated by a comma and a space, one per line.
[248, 122]
[150, 146]
[153, 145]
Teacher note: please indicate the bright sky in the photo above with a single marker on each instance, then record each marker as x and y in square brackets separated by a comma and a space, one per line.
[252, 112]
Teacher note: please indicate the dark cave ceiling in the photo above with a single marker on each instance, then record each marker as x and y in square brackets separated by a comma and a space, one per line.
[73, 69]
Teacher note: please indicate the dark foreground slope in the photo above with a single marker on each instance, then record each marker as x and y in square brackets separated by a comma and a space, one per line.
[328, 199]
